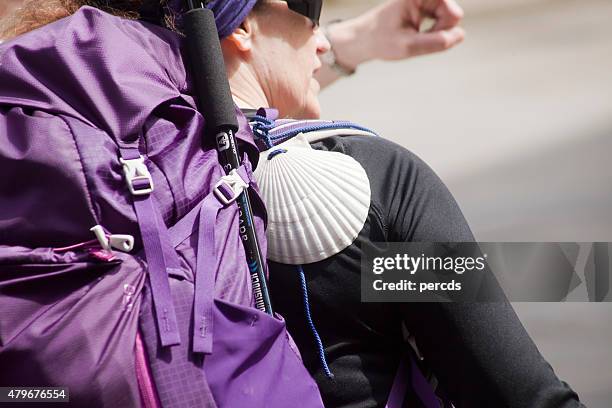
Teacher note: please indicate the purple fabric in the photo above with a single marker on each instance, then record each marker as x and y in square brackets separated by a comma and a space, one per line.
[206, 268]
[71, 321]
[422, 387]
[57, 312]
[109, 101]
[295, 124]
[269, 113]
[148, 394]
[186, 226]
[399, 387]
[229, 14]
[418, 383]
[254, 362]
[179, 378]
[156, 260]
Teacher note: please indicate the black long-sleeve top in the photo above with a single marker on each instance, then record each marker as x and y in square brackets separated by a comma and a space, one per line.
[479, 352]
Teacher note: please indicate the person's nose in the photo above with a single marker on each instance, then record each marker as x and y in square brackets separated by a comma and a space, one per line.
[323, 44]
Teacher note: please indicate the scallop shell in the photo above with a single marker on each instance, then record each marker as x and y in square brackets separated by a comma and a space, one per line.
[317, 201]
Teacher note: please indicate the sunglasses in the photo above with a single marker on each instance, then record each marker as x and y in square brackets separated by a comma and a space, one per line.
[307, 8]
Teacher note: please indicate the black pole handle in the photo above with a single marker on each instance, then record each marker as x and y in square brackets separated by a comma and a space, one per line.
[208, 70]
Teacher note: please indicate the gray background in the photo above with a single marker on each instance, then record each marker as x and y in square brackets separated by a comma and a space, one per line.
[517, 122]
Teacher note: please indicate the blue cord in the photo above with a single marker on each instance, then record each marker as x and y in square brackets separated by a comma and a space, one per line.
[276, 153]
[321, 126]
[320, 347]
[264, 120]
[262, 127]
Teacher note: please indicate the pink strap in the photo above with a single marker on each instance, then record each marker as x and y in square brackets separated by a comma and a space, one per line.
[148, 395]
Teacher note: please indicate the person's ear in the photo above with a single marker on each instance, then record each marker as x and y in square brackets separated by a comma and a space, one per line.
[242, 37]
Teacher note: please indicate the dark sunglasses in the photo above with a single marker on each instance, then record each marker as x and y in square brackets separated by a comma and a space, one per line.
[307, 8]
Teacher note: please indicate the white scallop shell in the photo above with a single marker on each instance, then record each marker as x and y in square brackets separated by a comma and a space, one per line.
[317, 201]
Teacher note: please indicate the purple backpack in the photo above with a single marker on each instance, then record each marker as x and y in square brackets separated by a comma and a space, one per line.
[116, 223]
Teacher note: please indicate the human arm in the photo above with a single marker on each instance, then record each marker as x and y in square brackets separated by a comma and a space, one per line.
[391, 31]
[480, 352]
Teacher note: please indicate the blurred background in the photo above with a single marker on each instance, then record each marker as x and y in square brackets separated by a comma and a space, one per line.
[517, 121]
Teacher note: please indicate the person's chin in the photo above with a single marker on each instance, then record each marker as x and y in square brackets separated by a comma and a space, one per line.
[312, 110]
[315, 86]
[306, 108]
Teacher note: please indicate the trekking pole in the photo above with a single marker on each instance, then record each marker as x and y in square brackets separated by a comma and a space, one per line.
[215, 102]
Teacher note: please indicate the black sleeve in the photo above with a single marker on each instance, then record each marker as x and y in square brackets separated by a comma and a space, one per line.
[480, 352]
[416, 204]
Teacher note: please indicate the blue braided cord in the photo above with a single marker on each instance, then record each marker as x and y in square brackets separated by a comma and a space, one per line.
[276, 153]
[261, 128]
[260, 133]
[325, 126]
[263, 119]
[320, 347]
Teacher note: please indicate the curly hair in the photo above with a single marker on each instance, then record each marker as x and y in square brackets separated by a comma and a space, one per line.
[36, 13]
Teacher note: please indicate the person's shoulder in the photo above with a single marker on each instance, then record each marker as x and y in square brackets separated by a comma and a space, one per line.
[391, 168]
[376, 153]
[413, 202]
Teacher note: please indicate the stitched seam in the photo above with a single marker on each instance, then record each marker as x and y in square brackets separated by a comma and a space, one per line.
[85, 178]
[376, 210]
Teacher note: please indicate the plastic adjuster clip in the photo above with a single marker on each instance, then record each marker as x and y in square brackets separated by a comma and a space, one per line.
[136, 171]
[235, 185]
[108, 242]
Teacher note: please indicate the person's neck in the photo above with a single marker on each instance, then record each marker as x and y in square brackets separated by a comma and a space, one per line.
[246, 90]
